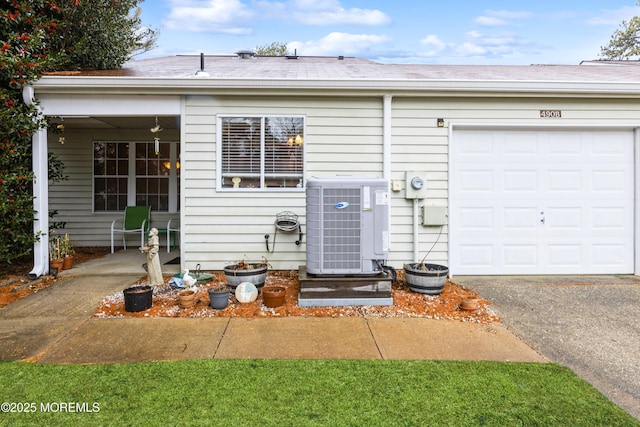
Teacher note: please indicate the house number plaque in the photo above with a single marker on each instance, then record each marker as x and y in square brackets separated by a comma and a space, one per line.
[551, 114]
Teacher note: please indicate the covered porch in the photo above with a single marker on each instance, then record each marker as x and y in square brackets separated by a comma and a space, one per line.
[113, 159]
[125, 262]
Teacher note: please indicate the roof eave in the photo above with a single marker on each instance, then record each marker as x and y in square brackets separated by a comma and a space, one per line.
[415, 87]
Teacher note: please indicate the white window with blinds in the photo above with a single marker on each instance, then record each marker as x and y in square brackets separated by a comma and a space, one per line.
[260, 152]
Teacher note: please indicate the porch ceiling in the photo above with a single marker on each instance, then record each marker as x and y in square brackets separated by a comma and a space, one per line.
[114, 122]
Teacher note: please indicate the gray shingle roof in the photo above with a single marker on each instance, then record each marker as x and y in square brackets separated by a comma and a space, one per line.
[345, 69]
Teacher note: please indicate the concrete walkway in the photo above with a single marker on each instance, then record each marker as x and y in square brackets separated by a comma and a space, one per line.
[56, 325]
[588, 325]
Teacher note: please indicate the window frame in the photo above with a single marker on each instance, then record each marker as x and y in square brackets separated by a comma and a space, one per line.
[263, 162]
[173, 184]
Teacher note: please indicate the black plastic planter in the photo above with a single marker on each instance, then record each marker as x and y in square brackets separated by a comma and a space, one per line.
[138, 298]
[219, 297]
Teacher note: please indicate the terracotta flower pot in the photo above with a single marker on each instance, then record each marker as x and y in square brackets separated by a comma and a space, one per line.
[469, 304]
[186, 298]
[56, 264]
[67, 262]
[273, 296]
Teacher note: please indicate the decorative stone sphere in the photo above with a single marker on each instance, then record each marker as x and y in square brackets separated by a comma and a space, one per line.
[246, 292]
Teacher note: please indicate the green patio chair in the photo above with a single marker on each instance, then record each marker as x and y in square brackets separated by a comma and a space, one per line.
[172, 226]
[136, 220]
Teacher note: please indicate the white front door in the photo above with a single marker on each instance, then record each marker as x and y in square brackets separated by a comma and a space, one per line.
[542, 202]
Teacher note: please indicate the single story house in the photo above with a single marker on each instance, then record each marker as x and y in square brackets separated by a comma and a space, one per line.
[525, 169]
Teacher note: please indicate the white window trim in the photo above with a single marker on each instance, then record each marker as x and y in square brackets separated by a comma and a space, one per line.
[219, 187]
[131, 178]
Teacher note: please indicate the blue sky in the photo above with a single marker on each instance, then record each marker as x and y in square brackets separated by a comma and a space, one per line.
[401, 31]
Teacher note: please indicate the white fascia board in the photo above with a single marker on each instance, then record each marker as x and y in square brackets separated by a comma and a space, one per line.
[123, 85]
[105, 105]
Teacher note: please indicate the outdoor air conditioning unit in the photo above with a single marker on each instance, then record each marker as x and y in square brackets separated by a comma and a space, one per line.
[347, 226]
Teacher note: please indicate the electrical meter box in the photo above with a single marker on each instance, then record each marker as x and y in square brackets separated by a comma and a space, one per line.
[416, 185]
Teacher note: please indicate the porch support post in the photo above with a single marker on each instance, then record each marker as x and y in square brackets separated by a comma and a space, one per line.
[40, 197]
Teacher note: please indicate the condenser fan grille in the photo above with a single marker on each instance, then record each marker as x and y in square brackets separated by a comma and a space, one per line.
[341, 228]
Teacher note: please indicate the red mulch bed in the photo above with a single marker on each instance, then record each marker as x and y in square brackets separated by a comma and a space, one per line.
[15, 285]
[405, 303]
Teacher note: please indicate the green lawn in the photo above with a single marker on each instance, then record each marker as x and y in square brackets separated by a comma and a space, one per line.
[303, 393]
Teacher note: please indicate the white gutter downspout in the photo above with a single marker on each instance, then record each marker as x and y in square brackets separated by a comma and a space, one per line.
[40, 194]
[386, 153]
[386, 138]
[636, 269]
[416, 235]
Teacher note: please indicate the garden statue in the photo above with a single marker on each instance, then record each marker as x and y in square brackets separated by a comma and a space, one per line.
[152, 249]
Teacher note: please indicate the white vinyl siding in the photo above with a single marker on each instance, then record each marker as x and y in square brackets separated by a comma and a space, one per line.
[341, 136]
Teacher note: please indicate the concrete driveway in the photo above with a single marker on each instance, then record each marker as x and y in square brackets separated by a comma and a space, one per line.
[587, 323]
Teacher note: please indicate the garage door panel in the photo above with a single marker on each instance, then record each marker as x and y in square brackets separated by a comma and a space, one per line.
[519, 146]
[480, 218]
[478, 256]
[566, 218]
[610, 219]
[616, 145]
[542, 202]
[570, 149]
[564, 255]
[520, 218]
[607, 181]
[473, 181]
[519, 255]
[610, 255]
[563, 181]
[520, 181]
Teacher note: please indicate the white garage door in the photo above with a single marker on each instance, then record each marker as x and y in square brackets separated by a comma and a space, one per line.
[542, 202]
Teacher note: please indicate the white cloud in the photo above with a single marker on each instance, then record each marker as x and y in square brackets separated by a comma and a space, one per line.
[477, 44]
[614, 17]
[490, 21]
[216, 16]
[238, 16]
[435, 44]
[331, 12]
[500, 18]
[339, 44]
[433, 40]
[340, 15]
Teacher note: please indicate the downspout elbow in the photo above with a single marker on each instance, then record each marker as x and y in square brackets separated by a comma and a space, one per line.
[28, 96]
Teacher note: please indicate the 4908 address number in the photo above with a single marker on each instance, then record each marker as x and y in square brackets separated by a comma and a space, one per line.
[550, 114]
